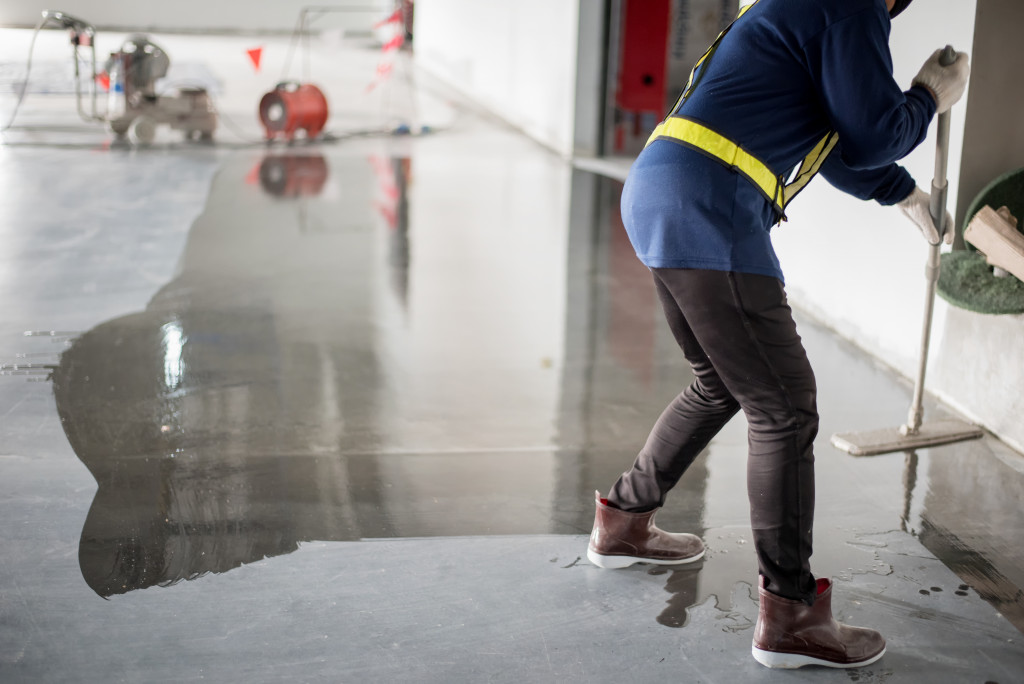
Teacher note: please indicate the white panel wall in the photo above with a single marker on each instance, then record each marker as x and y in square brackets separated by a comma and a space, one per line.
[517, 59]
[191, 15]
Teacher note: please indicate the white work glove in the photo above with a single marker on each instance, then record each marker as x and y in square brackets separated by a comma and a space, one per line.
[916, 208]
[946, 83]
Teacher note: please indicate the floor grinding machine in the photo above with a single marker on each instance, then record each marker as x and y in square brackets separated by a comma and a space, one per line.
[134, 107]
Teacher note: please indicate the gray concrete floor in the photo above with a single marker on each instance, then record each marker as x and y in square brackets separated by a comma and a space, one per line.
[336, 413]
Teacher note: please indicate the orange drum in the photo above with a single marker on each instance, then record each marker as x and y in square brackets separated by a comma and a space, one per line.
[292, 106]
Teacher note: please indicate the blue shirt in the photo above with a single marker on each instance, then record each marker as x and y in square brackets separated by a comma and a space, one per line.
[787, 73]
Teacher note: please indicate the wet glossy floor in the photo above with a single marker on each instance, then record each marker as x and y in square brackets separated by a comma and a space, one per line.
[337, 413]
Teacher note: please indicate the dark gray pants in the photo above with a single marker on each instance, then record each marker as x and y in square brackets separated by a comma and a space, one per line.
[738, 334]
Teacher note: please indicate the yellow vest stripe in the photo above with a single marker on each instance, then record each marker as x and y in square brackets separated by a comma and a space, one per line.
[809, 167]
[719, 147]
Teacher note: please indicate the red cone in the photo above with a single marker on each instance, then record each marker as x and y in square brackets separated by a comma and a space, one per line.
[255, 55]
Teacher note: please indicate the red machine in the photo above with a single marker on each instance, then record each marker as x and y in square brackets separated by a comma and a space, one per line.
[292, 106]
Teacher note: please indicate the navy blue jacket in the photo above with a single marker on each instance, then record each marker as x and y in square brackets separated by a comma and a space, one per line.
[788, 72]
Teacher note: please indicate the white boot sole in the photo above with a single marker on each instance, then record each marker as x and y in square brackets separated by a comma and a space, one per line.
[791, 661]
[619, 562]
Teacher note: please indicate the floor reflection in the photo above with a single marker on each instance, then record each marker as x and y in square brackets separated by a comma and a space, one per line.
[292, 382]
[969, 517]
[210, 419]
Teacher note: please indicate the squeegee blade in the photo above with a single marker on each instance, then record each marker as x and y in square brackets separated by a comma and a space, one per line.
[888, 440]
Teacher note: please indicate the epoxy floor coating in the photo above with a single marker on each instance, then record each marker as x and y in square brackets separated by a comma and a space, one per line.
[337, 413]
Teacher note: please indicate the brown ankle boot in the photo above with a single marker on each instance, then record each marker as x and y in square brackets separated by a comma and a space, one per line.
[620, 539]
[790, 634]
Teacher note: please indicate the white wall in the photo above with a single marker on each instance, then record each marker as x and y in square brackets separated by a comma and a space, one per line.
[192, 15]
[517, 59]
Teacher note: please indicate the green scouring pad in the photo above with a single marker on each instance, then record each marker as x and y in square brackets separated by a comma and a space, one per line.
[966, 279]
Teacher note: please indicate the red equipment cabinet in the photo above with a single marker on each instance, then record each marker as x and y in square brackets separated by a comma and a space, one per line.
[644, 63]
[641, 72]
[290, 107]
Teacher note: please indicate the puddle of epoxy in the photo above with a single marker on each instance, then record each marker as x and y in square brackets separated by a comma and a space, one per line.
[728, 573]
[254, 404]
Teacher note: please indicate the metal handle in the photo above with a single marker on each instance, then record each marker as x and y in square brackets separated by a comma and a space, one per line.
[948, 56]
[939, 187]
[937, 208]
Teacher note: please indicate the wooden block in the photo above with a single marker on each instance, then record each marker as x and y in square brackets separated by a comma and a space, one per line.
[995, 235]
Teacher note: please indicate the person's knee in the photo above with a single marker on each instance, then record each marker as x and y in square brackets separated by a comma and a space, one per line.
[713, 396]
[805, 406]
[784, 413]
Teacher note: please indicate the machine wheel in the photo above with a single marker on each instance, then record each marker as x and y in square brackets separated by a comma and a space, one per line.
[120, 127]
[142, 131]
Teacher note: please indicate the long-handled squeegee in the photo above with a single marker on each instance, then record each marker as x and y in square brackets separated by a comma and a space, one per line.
[915, 434]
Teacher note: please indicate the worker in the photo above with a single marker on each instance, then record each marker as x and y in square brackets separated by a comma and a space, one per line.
[789, 80]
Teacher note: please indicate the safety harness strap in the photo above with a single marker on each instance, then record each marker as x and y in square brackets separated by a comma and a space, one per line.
[809, 167]
[716, 146]
[702, 139]
[774, 188]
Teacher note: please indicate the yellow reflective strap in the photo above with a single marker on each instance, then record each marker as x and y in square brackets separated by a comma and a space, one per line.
[809, 167]
[686, 89]
[715, 145]
[743, 10]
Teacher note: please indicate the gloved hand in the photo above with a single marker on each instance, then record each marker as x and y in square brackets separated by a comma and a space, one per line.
[916, 208]
[946, 83]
